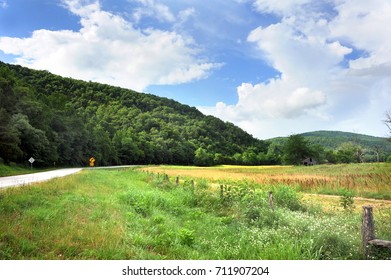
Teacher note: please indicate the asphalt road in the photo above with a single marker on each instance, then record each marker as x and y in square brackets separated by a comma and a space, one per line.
[22, 180]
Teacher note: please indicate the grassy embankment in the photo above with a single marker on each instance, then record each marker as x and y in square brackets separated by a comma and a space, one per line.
[15, 169]
[125, 214]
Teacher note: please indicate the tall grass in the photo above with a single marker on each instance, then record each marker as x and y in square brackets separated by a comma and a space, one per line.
[125, 214]
[13, 169]
[370, 180]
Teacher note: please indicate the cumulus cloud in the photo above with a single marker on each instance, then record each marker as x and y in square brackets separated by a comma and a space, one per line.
[334, 66]
[151, 8]
[109, 49]
[279, 7]
[3, 4]
[371, 30]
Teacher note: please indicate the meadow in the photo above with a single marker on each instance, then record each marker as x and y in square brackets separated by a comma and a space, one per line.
[370, 180]
[133, 214]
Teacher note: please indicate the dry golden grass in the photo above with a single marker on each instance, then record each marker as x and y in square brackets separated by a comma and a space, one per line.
[331, 203]
[365, 180]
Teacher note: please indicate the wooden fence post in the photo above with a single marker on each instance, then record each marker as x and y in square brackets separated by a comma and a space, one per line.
[177, 181]
[221, 191]
[367, 229]
[271, 200]
[192, 185]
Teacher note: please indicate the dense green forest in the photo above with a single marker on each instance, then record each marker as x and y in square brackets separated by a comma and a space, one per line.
[339, 147]
[61, 121]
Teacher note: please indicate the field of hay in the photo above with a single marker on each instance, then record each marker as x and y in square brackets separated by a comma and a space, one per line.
[322, 185]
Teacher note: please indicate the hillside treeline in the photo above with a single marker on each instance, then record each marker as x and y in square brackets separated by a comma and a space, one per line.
[62, 121]
[330, 147]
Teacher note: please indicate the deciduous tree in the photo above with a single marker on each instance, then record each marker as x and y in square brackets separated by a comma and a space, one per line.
[296, 149]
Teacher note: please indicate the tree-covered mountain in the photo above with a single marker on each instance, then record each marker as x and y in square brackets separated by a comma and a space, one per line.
[333, 143]
[64, 121]
[333, 139]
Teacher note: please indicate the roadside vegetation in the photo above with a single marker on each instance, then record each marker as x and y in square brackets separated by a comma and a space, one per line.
[128, 214]
[14, 169]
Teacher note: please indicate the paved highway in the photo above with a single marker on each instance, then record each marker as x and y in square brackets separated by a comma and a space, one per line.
[22, 180]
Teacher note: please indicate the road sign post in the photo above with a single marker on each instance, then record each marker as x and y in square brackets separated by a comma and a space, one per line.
[31, 160]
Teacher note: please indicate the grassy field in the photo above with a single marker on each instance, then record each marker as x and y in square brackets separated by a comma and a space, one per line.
[128, 214]
[365, 180]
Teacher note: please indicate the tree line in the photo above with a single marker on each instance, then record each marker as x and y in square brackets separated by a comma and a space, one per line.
[63, 122]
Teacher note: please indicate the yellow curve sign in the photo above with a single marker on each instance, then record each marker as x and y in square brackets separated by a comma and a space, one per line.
[92, 161]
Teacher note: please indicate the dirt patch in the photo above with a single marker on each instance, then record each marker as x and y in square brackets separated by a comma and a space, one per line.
[331, 203]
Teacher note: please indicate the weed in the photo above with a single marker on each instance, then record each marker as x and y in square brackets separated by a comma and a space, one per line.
[379, 253]
[286, 196]
[202, 184]
[346, 199]
[187, 236]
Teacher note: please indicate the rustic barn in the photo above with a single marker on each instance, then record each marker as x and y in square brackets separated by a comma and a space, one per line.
[309, 161]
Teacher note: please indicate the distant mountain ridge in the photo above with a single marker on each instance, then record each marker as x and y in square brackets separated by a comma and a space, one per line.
[334, 139]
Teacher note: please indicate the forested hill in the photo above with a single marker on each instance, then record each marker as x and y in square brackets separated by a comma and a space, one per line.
[64, 121]
[371, 147]
[334, 139]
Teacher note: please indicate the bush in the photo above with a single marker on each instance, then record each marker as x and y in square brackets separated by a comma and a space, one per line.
[346, 200]
[379, 253]
[203, 157]
[202, 184]
[187, 236]
[285, 196]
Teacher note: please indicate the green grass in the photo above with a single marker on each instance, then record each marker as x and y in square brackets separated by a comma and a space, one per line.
[125, 214]
[13, 169]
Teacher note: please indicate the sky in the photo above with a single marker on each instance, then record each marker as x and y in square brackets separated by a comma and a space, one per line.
[273, 68]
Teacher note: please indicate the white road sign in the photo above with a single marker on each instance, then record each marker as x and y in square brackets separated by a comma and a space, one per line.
[31, 160]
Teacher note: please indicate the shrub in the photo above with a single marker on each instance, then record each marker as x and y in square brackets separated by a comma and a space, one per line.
[187, 236]
[346, 200]
[203, 184]
[379, 253]
[333, 246]
[286, 196]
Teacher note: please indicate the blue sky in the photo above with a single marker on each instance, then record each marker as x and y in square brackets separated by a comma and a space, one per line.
[271, 67]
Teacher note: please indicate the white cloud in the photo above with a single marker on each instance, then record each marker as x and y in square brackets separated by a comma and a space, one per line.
[186, 14]
[277, 100]
[3, 4]
[109, 49]
[303, 57]
[318, 88]
[367, 28]
[152, 8]
[279, 7]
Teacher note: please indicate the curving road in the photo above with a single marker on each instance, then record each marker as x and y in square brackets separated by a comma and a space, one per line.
[21, 180]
